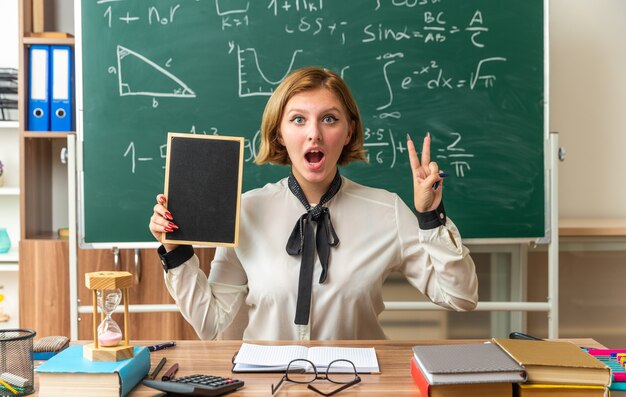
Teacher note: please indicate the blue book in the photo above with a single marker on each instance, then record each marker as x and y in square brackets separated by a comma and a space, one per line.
[70, 374]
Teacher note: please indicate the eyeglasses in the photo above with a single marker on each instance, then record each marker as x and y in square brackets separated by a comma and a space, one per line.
[342, 372]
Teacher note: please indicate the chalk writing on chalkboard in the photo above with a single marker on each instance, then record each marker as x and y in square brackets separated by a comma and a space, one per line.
[378, 143]
[470, 73]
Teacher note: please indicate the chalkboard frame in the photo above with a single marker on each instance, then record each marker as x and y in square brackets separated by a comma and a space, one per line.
[194, 187]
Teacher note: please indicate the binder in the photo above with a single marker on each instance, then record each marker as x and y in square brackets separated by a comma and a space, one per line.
[38, 88]
[61, 101]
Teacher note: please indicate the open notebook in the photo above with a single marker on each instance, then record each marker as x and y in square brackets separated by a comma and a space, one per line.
[263, 358]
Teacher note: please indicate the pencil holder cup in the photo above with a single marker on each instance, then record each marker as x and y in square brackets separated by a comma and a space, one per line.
[16, 362]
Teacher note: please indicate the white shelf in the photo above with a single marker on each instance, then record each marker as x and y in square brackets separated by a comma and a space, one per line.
[14, 267]
[10, 257]
[9, 124]
[9, 191]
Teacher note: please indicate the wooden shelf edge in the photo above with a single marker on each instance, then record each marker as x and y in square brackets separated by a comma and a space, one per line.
[47, 236]
[47, 134]
[49, 40]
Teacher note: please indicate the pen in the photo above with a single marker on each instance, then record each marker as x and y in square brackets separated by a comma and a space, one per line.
[170, 373]
[441, 175]
[157, 368]
[161, 346]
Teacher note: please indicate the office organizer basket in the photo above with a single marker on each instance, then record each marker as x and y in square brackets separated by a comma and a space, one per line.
[16, 362]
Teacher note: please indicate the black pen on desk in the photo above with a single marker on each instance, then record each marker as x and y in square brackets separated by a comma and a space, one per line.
[441, 175]
[157, 368]
[161, 346]
[170, 373]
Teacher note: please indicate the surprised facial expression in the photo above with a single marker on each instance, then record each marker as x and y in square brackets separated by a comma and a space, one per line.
[315, 127]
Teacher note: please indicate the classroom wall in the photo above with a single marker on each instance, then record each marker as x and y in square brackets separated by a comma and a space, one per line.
[588, 105]
[9, 49]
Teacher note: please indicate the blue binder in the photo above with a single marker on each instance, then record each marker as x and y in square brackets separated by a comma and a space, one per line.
[38, 88]
[61, 102]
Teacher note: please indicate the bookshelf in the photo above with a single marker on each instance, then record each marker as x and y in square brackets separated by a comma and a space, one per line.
[44, 262]
[10, 184]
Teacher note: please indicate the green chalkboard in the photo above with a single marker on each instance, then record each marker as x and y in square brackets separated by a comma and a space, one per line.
[470, 72]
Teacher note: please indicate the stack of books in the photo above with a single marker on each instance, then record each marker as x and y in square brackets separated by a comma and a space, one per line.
[509, 367]
[469, 370]
[557, 369]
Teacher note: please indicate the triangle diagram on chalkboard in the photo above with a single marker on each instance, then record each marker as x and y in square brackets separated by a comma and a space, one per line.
[138, 75]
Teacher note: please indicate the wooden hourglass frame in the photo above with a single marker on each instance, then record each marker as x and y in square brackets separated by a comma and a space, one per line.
[108, 281]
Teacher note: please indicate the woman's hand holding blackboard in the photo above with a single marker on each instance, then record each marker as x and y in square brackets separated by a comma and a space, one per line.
[427, 183]
[161, 222]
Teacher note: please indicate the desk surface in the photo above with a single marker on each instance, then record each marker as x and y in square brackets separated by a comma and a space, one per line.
[214, 358]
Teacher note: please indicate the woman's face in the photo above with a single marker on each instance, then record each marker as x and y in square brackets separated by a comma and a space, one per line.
[315, 127]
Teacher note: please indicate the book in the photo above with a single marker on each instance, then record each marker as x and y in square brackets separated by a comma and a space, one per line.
[553, 362]
[545, 390]
[70, 374]
[467, 363]
[264, 358]
[458, 389]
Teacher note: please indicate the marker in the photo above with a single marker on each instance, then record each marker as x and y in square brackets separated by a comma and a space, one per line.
[170, 373]
[157, 368]
[441, 175]
[161, 346]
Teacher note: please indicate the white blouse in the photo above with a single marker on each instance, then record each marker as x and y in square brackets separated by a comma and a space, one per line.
[378, 234]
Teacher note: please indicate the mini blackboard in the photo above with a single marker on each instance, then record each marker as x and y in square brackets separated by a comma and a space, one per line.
[203, 176]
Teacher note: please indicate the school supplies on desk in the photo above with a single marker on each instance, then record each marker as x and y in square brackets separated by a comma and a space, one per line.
[262, 358]
[616, 360]
[552, 362]
[70, 374]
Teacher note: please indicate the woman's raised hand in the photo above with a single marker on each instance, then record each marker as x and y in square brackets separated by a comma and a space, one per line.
[426, 195]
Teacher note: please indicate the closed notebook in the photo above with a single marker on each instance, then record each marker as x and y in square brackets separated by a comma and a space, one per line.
[555, 362]
[70, 374]
[458, 389]
[467, 363]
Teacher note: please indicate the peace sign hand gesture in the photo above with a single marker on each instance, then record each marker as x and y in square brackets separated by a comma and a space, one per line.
[426, 195]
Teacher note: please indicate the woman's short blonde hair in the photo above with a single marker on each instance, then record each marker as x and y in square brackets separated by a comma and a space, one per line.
[301, 80]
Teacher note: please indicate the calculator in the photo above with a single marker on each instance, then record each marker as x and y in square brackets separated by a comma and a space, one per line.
[196, 385]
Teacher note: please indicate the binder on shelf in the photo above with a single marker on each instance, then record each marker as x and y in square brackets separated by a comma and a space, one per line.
[61, 101]
[38, 88]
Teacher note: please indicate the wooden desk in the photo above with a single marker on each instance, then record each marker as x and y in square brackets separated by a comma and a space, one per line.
[214, 358]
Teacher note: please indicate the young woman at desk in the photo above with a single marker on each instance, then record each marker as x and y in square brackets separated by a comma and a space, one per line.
[302, 275]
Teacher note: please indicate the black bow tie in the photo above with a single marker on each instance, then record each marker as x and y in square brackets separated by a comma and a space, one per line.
[301, 242]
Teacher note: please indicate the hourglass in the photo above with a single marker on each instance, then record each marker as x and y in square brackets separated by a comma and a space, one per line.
[108, 290]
